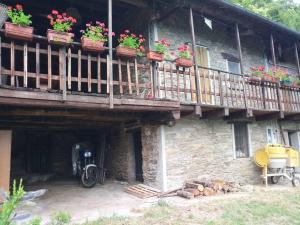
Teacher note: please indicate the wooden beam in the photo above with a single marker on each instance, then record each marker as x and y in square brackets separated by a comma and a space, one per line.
[216, 113]
[268, 116]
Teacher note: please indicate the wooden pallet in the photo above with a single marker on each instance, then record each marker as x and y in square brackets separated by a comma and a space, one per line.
[141, 191]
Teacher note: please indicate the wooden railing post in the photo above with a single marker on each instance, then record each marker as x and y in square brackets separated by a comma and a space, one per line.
[62, 72]
[192, 29]
[111, 86]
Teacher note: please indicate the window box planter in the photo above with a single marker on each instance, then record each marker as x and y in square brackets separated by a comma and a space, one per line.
[126, 52]
[154, 56]
[270, 79]
[91, 45]
[60, 38]
[183, 62]
[24, 33]
[254, 79]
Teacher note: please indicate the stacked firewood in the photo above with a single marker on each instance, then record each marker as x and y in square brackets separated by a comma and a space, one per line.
[195, 188]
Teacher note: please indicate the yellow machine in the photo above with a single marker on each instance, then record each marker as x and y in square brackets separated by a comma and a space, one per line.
[278, 161]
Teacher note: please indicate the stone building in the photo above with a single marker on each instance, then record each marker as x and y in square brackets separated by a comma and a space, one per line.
[150, 122]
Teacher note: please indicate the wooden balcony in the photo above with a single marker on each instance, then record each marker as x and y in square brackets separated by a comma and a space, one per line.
[40, 74]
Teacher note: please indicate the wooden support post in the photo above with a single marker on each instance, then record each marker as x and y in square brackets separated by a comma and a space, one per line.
[62, 72]
[239, 47]
[297, 58]
[49, 67]
[0, 61]
[192, 29]
[12, 63]
[111, 91]
[25, 65]
[37, 65]
[273, 50]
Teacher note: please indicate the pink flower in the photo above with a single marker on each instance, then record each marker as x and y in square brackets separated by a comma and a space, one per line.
[9, 8]
[19, 7]
[50, 17]
[113, 34]
[88, 24]
[127, 31]
[54, 12]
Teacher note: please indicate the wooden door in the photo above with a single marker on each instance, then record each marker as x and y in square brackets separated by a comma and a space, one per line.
[205, 82]
[5, 158]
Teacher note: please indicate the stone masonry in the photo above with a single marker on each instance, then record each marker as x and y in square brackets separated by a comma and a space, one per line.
[205, 148]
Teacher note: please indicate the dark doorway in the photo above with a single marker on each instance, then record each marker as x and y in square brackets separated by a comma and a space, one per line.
[138, 156]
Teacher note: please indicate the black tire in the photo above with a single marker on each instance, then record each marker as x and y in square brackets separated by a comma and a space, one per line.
[296, 181]
[89, 178]
[275, 179]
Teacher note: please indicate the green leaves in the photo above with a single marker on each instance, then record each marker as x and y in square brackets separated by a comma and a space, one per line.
[9, 206]
[18, 17]
[286, 12]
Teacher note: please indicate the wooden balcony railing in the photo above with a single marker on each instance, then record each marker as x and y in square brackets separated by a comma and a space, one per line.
[39, 65]
[224, 89]
[69, 70]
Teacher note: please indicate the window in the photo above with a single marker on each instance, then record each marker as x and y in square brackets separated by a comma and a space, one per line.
[241, 140]
[233, 67]
[271, 136]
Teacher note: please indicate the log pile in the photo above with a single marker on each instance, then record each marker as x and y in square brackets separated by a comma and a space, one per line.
[195, 188]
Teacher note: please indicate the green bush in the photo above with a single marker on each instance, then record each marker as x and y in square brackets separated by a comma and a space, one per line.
[8, 208]
[60, 218]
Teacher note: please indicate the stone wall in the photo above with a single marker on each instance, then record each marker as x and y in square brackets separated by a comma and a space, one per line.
[152, 158]
[120, 158]
[204, 148]
[220, 39]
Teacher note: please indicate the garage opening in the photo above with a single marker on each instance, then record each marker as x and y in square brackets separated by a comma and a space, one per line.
[45, 156]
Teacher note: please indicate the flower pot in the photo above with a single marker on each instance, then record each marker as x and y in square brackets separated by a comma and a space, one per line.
[154, 56]
[24, 33]
[60, 38]
[184, 62]
[126, 52]
[91, 45]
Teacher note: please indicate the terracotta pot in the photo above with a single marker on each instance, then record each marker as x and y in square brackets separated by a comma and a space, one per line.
[90, 45]
[126, 52]
[184, 62]
[24, 33]
[154, 56]
[60, 38]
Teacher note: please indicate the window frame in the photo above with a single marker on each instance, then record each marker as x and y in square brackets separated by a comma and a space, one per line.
[249, 153]
[227, 66]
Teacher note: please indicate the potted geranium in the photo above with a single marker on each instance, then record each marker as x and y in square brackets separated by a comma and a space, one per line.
[257, 73]
[160, 48]
[19, 26]
[62, 26]
[94, 37]
[130, 45]
[185, 57]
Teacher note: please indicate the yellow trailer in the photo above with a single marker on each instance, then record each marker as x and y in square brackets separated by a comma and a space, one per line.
[278, 161]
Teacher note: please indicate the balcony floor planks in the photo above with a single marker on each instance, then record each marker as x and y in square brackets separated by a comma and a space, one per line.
[37, 98]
